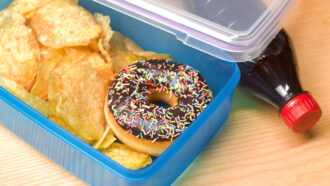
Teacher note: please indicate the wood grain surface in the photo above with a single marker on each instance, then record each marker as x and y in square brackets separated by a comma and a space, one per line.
[255, 148]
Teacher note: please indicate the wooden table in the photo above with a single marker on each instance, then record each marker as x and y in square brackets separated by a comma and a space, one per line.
[255, 148]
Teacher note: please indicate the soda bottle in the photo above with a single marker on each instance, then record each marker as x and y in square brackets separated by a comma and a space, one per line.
[273, 77]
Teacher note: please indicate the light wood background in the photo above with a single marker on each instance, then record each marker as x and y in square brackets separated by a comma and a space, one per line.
[255, 148]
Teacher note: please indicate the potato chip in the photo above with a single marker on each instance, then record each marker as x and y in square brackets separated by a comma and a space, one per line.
[102, 49]
[44, 108]
[61, 123]
[127, 157]
[153, 55]
[98, 46]
[49, 58]
[125, 51]
[106, 140]
[35, 102]
[28, 7]
[19, 50]
[76, 54]
[134, 48]
[77, 95]
[104, 70]
[47, 53]
[117, 42]
[63, 24]
[64, 125]
[81, 54]
[107, 32]
[121, 59]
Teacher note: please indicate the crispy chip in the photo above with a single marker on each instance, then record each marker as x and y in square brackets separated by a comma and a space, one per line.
[64, 125]
[127, 157]
[63, 24]
[153, 55]
[80, 54]
[103, 69]
[44, 108]
[47, 53]
[19, 50]
[77, 95]
[98, 46]
[49, 58]
[102, 49]
[28, 7]
[61, 123]
[121, 59]
[107, 32]
[75, 54]
[134, 48]
[125, 51]
[106, 140]
[104, 41]
[35, 102]
[117, 42]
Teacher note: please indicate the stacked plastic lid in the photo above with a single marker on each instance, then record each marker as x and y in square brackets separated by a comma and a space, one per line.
[233, 30]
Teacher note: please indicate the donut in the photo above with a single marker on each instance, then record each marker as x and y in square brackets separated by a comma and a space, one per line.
[135, 118]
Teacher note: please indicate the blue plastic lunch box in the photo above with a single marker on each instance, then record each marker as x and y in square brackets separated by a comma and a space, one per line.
[92, 166]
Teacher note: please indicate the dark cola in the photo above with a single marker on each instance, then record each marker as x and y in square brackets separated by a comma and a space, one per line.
[273, 78]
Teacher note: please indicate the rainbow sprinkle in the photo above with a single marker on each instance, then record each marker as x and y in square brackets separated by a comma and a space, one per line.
[127, 98]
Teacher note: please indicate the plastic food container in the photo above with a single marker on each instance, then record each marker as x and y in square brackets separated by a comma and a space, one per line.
[201, 33]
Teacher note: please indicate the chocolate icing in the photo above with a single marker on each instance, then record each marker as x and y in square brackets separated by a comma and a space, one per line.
[128, 103]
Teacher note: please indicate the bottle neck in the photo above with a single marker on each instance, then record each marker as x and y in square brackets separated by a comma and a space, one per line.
[273, 76]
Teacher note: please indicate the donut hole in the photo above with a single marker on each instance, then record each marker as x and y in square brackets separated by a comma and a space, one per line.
[162, 99]
[161, 104]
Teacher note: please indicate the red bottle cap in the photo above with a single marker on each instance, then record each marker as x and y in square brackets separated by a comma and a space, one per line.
[301, 113]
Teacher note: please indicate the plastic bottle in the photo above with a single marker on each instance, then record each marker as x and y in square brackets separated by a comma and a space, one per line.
[273, 78]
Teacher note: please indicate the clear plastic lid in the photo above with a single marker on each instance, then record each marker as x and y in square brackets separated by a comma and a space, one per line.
[233, 30]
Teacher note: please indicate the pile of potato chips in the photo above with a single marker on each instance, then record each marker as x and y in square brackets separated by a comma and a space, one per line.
[60, 59]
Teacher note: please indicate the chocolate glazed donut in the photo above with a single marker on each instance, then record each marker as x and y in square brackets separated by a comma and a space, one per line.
[143, 125]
